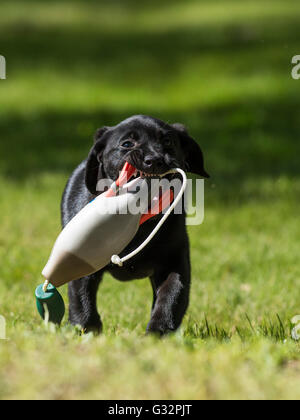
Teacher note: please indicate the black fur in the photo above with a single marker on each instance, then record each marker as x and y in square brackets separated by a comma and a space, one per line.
[155, 147]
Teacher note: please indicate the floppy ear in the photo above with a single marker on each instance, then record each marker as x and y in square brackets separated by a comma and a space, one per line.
[194, 160]
[94, 165]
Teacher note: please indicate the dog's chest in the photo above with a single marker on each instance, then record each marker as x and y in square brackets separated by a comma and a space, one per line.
[130, 272]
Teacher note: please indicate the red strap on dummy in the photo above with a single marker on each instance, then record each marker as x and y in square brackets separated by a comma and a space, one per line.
[165, 201]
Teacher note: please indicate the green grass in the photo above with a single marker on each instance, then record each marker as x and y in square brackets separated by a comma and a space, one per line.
[222, 68]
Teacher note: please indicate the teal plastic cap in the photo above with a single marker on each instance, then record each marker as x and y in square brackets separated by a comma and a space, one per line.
[53, 302]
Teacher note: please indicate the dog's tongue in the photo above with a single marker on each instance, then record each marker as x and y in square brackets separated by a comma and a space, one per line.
[127, 172]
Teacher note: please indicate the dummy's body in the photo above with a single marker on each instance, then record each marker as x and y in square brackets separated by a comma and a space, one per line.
[103, 228]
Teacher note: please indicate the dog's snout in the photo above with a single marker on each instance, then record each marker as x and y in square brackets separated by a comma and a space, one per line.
[154, 164]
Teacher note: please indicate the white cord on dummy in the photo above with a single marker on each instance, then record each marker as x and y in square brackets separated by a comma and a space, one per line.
[115, 259]
[45, 286]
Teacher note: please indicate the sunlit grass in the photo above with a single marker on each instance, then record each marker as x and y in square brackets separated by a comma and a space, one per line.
[119, 15]
[244, 295]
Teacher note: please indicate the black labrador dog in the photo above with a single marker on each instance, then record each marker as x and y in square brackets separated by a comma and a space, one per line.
[153, 147]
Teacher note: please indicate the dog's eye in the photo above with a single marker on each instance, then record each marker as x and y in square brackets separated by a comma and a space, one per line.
[168, 141]
[128, 144]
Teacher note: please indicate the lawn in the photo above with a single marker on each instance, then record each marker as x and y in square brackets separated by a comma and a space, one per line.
[223, 68]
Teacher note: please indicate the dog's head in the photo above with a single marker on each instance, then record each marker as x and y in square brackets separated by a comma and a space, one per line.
[150, 145]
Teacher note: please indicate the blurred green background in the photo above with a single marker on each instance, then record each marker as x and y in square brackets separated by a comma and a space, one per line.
[222, 68]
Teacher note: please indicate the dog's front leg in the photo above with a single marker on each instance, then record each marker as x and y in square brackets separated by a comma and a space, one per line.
[83, 303]
[171, 299]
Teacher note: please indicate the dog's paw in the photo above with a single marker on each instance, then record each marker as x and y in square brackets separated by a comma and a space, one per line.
[159, 328]
[93, 325]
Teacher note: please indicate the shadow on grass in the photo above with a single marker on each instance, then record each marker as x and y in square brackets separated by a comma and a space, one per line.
[245, 140]
[139, 55]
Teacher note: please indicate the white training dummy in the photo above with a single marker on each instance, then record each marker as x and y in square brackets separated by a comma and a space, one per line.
[103, 229]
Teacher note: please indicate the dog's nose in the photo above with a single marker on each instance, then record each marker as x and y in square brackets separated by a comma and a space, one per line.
[153, 164]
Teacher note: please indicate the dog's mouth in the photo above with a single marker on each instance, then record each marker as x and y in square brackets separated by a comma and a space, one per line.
[157, 202]
[144, 175]
[134, 160]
